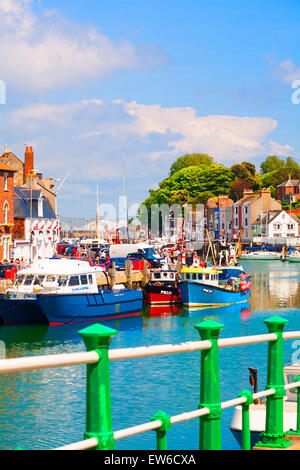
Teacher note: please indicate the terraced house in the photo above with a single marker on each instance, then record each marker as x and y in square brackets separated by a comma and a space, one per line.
[249, 208]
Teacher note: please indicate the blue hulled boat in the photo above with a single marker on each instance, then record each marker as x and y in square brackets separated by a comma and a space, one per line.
[60, 291]
[203, 287]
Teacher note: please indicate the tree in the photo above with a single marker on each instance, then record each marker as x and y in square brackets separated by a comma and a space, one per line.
[237, 188]
[187, 160]
[272, 163]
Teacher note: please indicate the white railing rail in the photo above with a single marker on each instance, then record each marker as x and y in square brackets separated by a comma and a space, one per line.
[187, 416]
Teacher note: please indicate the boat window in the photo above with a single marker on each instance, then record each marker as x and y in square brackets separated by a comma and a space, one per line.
[62, 281]
[200, 277]
[194, 276]
[28, 280]
[187, 276]
[74, 281]
[83, 279]
[38, 280]
[156, 275]
[291, 379]
[171, 275]
[206, 276]
[90, 279]
[50, 278]
[19, 280]
[165, 274]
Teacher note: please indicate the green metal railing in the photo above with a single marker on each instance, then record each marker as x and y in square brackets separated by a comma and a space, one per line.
[99, 434]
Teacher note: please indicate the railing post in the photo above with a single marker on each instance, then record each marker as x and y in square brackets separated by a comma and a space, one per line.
[98, 403]
[210, 425]
[161, 433]
[246, 434]
[297, 431]
[274, 435]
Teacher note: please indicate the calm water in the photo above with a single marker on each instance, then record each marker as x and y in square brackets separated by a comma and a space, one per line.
[46, 408]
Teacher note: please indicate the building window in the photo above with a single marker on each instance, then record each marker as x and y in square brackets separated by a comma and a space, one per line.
[246, 222]
[246, 210]
[5, 182]
[6, 207]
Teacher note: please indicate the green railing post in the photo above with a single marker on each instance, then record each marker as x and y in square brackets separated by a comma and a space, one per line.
[210, 425]
[297, 431]
[161, 433]
[274, 435]
[246, 434]
[98, 403]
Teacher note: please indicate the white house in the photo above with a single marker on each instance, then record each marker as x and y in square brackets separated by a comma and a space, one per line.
[37, 229]
[276, 224]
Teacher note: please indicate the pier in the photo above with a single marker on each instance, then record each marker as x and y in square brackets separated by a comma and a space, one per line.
[99, 434]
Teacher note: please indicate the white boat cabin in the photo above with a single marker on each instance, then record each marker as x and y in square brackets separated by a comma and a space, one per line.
[56, 276]
[163, 276]
[198, 275]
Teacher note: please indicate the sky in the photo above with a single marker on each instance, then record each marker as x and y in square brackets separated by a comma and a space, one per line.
[91, 83]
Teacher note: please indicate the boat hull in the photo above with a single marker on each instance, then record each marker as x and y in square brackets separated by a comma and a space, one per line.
[198, 295]
[15, 310]
[66, 309]
[161, 295]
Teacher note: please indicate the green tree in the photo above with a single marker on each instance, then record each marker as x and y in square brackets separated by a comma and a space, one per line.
[272, 163]
[193, 159]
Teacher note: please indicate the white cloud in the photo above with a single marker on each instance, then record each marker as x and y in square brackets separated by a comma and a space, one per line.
[287, 71]
[163, 132]
[90, 138]
[41, 53]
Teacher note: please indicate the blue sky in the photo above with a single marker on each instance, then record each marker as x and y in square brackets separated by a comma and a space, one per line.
[89, 82]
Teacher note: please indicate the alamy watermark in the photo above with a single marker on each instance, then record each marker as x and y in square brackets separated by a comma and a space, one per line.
[296, 95]
[2, 350]
[2, 92]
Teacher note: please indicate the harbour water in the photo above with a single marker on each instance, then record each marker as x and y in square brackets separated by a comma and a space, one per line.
[44, 409]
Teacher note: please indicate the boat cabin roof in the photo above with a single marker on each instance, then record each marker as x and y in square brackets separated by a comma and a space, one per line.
[59, 266]
[196, 269]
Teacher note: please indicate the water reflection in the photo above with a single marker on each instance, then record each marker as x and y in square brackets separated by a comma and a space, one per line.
[46, 408]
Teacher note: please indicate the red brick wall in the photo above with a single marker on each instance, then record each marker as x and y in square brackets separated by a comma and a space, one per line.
[7, 196]
[19, 229]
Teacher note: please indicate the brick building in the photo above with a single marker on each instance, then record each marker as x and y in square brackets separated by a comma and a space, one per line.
[288, 191]
[6, 210]
[24, 171]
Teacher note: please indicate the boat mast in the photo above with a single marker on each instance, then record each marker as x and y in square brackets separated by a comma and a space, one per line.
[97, 215]
[125, 197]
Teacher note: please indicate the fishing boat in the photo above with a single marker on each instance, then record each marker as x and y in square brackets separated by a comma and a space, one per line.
[203, 287]
[62, 291]
[162, 288]
[260, 255]
[257, 411]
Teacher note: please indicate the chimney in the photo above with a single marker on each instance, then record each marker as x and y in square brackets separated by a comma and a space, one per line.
[29, 163]
[247, 192]
[265, 195]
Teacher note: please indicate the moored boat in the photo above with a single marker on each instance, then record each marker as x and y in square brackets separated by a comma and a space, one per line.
[257, 411]
[293, 257]
[60, 291]
[202, 287]
[162, 288]
[260, 255]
